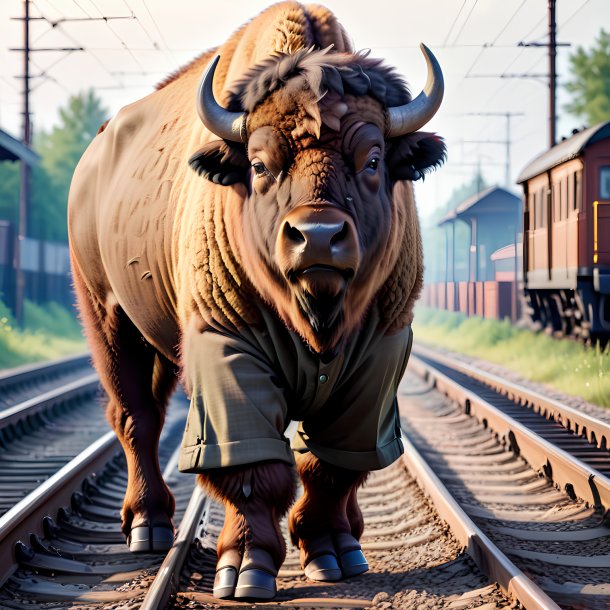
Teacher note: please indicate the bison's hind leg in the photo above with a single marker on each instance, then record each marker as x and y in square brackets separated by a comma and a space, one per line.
[326, 523]
[138, 381]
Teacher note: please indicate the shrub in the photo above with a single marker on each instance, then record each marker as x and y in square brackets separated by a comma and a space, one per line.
[563, 364]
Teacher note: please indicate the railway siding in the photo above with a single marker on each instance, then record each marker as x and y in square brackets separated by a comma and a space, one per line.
[553, 537]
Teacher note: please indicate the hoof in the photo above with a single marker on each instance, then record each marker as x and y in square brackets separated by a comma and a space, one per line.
[324, 568]
[353, 563]
[255, 584]
[151, 539]
[224, 582]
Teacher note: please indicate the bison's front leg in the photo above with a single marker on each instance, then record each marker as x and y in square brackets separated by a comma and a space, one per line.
[326, 522]
[251, 547]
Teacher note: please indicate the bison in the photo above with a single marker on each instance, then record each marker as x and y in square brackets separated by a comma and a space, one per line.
[253, 232]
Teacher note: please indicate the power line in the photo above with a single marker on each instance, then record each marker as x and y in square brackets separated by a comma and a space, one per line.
[508, 22]
[171, 60]
[465, 21]
[454, 22]
[155, 44]
[116, 35]
[156, 26]
[573, 14]
[81, 8]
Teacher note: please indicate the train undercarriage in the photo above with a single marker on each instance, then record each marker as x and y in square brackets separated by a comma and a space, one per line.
[582, 313]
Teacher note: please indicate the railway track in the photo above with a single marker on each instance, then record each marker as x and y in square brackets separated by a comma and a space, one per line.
[21, 383]
[524, 525]
[62, 482]
[529, 471]
[48, 414]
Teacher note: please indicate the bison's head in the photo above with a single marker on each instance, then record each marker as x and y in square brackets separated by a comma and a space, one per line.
[320, 141]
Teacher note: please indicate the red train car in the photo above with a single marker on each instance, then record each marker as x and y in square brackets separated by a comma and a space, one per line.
[566, 244]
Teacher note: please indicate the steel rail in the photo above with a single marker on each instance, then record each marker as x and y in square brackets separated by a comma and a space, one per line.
[26, 516]
[596, 431]
[488, 557]
[568, 472]
[74, 389]
[168, 577]
[28, 372]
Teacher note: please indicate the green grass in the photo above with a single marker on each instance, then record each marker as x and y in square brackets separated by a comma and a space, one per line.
[49, 332]
[565, 365]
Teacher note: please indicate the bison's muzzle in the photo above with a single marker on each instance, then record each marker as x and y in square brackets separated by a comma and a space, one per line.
[318, 253]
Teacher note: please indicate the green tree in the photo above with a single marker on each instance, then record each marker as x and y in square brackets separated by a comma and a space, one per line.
[9, 191]
[61, 149]
[590, 86]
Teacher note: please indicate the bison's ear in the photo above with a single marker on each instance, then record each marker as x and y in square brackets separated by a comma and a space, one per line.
[221, 162]
[410, 157]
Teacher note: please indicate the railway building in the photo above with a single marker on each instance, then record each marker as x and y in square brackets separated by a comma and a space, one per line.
[481, 271]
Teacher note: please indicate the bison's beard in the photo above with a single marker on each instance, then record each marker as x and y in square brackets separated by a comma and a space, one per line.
[324, 321]
[320, 293]
[323, 315]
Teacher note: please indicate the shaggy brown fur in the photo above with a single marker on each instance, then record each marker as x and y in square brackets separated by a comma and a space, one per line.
[320, 72]
[159, 251]
[255, 499]
[327, 515]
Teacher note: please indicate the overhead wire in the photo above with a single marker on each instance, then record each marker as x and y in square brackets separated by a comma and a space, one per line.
[573, 15]
[121, 41]
[77, 2]
[454, 22]
[154, 21]
[465, 21]
[515, 13]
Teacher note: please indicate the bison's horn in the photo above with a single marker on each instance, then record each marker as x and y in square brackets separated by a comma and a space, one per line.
[225, 124]
[410, 117]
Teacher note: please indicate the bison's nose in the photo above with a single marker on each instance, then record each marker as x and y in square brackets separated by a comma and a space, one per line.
[312, 236]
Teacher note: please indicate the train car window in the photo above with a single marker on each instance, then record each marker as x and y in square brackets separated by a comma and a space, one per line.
[571, 193]
[556, 201]
[564, 198]
[544, 206]
[604, 182]
[578, 191]
[532, 209]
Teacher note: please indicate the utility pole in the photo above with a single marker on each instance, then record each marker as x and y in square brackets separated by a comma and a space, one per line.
[551, 45]
[24, 194]
[506, 142]
[552, 74]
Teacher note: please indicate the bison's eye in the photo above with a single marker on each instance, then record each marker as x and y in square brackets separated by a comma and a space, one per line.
[259, 168]
[373, 164]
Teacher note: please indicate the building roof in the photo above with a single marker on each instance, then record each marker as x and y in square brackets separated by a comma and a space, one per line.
[491, 199]
[506, 252]
[12, 149]
[564, 151]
